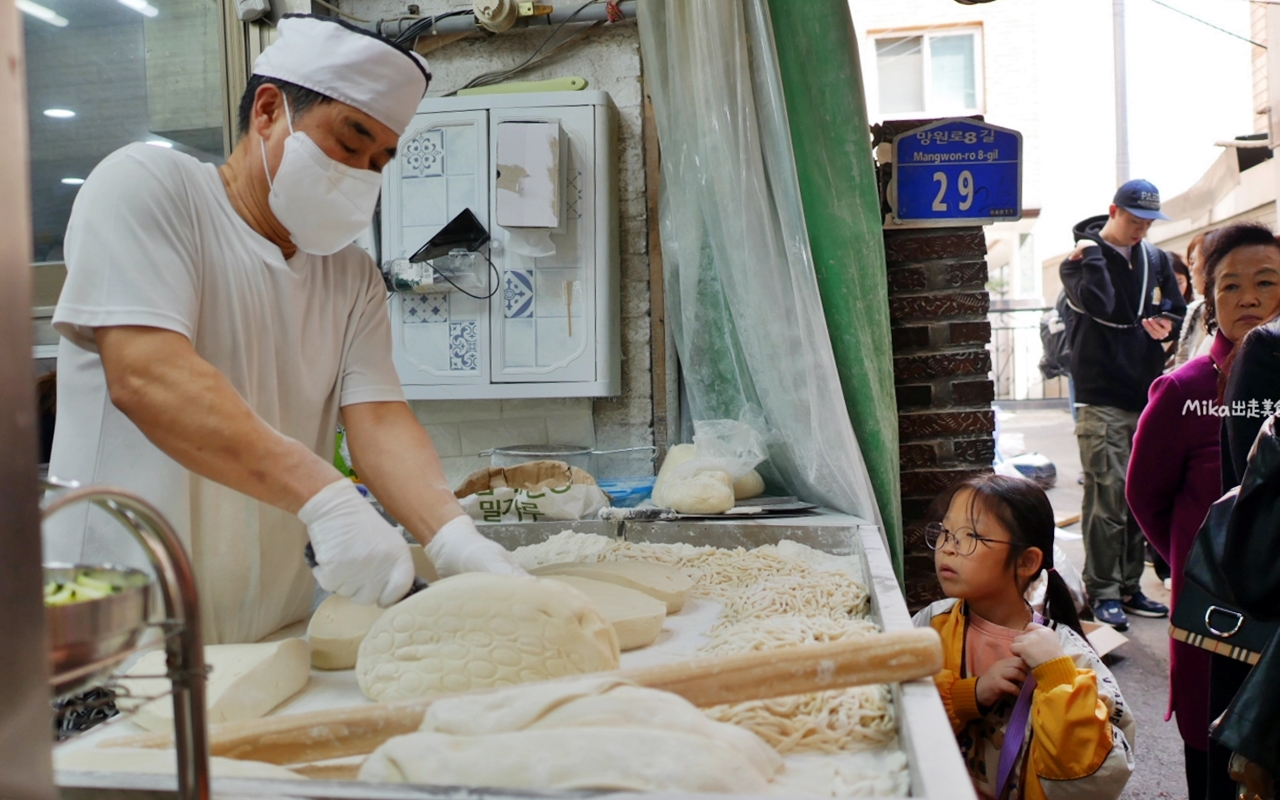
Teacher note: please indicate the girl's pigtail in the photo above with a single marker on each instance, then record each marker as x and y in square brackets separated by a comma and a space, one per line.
[1059, 605]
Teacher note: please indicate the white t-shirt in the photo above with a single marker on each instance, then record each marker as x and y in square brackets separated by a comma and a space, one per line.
[154, 241]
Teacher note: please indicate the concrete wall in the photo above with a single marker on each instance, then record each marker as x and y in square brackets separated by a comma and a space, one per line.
[609, 58]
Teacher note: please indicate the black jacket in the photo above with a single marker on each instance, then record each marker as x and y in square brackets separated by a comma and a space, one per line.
[1113, 359]
[1255, 375]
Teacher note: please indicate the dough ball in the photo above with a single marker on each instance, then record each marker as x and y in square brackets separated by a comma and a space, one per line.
[477, 630]
[162, 762]
[680, 454]
[336, 630]
[748, 486]
[622, 759]
[709, 492]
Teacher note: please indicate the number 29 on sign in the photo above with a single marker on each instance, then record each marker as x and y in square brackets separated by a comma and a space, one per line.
[964, 185]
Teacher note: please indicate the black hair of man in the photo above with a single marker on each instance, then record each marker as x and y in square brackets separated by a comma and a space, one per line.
[300, 99]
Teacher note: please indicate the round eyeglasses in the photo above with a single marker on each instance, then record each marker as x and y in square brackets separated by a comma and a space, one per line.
[966, 541]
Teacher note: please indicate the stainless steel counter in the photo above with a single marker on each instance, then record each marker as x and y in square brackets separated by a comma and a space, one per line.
[925, 735]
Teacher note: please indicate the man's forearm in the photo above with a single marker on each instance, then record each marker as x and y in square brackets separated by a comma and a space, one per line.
[189, 410]
[395, 458]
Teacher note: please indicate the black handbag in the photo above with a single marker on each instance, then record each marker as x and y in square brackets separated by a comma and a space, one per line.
[1233, 562]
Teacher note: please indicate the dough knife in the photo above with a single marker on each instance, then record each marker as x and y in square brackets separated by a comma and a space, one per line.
[309, 553]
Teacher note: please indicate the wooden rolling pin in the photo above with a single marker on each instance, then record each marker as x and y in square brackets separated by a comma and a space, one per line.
[705, 682]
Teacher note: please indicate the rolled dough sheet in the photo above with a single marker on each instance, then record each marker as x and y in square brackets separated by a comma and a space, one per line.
[590, 702]
[659, 581]
[245, 682]
[635, 616]
[570, 758]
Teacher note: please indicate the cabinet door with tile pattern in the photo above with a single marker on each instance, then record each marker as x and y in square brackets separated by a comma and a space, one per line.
[544, 315]
[442, 167]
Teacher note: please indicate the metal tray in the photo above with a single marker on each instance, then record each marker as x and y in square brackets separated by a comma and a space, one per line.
[936, 769]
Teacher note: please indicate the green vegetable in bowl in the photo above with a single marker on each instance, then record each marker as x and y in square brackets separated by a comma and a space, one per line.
[85, 587]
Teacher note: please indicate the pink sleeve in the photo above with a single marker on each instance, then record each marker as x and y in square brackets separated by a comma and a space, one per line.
[1158, 462]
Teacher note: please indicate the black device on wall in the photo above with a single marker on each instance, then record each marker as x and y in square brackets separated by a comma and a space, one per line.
[463, 231]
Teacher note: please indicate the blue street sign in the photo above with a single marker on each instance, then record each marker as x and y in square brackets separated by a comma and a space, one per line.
[957, 171]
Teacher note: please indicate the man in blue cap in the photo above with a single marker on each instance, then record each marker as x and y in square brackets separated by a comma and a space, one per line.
[1126, 304]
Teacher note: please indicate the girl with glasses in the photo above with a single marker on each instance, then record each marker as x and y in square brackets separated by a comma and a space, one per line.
[1030, 703]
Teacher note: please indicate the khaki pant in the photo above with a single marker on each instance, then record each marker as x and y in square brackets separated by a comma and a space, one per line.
[1113, 543]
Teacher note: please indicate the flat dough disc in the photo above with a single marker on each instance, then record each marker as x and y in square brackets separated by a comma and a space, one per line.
[659, 581]
[477, 630]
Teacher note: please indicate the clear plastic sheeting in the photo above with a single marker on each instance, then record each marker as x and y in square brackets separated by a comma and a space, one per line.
[743, 301]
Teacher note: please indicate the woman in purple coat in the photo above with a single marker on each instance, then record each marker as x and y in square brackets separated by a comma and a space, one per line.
[1175, 469]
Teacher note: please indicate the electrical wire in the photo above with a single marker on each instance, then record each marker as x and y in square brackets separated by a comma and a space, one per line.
[490, 78]
[493, 270]
[411, 33]
[1210, 24]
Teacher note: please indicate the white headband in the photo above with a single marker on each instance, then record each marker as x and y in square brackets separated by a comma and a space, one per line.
[347, 64]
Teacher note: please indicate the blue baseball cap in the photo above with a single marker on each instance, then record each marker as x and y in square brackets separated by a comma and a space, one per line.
[1141, 199]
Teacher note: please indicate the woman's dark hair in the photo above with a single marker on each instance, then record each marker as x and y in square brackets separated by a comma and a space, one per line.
[300, 99]
[1198, 242]
[1022, 508]
[1180, 268]
[1219, 246]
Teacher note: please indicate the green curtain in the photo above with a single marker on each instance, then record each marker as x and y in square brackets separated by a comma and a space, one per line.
[826, 108]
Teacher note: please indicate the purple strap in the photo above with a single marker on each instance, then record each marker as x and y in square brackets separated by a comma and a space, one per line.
[1016, 731]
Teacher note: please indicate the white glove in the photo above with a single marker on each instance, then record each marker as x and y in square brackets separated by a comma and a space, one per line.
[357, 553]
[459, 547]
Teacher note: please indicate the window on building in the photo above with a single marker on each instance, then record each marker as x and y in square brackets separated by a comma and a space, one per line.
[934, 73]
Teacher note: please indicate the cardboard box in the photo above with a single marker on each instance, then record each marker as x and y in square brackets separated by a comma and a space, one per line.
[1104, 638]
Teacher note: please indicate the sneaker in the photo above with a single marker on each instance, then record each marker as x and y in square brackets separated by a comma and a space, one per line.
[1109, 611]
[1140, 605]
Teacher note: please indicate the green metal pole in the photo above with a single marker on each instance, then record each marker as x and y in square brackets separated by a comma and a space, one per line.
[818, 59]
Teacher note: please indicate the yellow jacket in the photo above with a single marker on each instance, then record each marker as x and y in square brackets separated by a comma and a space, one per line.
[1080, 731]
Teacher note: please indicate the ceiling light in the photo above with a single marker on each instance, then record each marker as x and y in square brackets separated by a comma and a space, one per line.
[141, 6]
[59, 113]
[159, 143]
[41, 13]
[73, 181]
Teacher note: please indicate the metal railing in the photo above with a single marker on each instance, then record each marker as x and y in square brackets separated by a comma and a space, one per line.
[1016, 351]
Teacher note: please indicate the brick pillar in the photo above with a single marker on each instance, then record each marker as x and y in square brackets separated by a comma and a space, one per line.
[938, 305]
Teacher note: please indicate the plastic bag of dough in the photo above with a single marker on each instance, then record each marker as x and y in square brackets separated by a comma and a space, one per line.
[723, 451]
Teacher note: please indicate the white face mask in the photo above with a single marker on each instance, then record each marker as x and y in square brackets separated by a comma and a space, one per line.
[322, 203]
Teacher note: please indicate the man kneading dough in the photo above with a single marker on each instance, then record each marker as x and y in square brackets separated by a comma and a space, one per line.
[218, 323]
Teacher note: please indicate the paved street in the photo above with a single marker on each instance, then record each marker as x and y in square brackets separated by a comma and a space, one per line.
[1141, 665]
